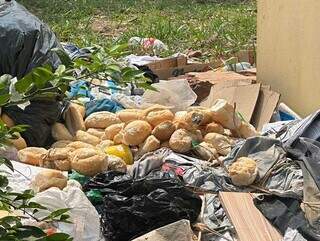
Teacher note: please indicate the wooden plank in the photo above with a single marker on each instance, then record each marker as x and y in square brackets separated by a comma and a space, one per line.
[265, 107]
[248, 221]
[168, 63]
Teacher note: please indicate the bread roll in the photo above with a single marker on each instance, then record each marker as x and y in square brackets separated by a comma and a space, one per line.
[60, 132]
[243, 171]
[96, 132]
[7, 120]
[180, 116]
[224, 113]
[214, 128]
[136, 132]
[116, 164]
[87, 138]
[102, 120]
[156, 117]
[81, 109]
[79, 144]
[207, 152]
[155, 107]
[104, 144]
[113, 130]
[32, 155]
[58, 158]
[18, 143]
[198, 117]
[129, 115]
[220, 142]
[60, 144]
[150, 144]
[49, 178]
[88, 161]
[118, 138]
[181, 141]
[247, 130]
[165, 144]
[74, 120]
[164, 130]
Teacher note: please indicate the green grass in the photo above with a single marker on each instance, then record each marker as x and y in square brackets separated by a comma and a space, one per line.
[218, 29]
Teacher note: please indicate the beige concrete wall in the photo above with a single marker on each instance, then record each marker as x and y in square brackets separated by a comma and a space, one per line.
[288, 51]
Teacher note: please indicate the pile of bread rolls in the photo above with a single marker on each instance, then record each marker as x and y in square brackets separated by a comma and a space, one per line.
[81, 142]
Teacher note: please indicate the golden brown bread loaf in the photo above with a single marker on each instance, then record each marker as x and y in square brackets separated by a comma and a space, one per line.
[224, 113]
[32, 155]
[49, 178]
[150, 144]
[243, 171]
[74, 120]
[207, 152]
[88, 161]
[118, 138]
[60, 132]
[79, 144]
[158, 116]
[104, 144]
[214, 128]
[247, 130]
[58, 158]
[81, 109]
[60, 144]
[87, 138]
[113, 130]
[164, 130]
[129, 115]
[180, 116]
[181, 141]
[198, 117]
[102, 120]
[116, 164]
[136, 132]
[220, 142]
[96, 132]
[19, 143]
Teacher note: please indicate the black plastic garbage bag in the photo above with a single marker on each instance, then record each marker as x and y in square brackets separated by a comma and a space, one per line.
[134, 207]
[25, 41]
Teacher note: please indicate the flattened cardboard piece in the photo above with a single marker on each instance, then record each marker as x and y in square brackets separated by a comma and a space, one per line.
[168, 63]
[215, 77]
[245, 97]
[247, 220]
[266, 105]
[166, 73]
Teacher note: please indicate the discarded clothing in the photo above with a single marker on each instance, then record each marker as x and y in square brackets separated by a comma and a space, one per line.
[80, 88]
[134, 207]
[25, 41]
[74, 52]
[39, 116]
[284, 213]
[102, 105]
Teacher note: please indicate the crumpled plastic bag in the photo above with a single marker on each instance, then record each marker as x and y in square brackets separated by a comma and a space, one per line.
[85, 224]
[174, 93]
[134, 207]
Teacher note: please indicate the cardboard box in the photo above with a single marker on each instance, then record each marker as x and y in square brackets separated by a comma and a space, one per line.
[175, 66]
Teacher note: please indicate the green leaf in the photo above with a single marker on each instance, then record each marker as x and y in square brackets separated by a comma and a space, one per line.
[114, 67]
[3, 181]
[60, 70]
[26, 195]
[147, 86]
[56, 213]
[29, 231]
[64, 57]
[32, 205]
[4, 99]
[6, 162]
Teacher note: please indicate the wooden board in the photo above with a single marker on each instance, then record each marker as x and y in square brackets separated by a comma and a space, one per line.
[248, 221]
[168, 63]
[245, 97]
[265, 107]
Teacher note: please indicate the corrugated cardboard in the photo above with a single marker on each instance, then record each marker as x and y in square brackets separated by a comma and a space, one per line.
[244, 96]
[266, 105]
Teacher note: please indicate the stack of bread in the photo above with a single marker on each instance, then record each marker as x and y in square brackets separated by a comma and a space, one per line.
[90, 145]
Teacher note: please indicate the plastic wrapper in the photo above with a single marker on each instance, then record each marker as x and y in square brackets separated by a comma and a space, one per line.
[134, 207]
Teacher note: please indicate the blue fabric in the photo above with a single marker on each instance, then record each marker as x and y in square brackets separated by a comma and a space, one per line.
[102, 105]
[285, 116]
[80, 88]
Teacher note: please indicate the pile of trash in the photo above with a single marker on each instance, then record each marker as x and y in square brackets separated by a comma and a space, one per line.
[210, 155]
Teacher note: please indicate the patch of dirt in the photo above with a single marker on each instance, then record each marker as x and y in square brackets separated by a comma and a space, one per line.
[107, 27]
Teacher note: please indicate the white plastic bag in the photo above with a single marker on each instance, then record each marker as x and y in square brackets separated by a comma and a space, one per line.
[172, 93]
[85, 224]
